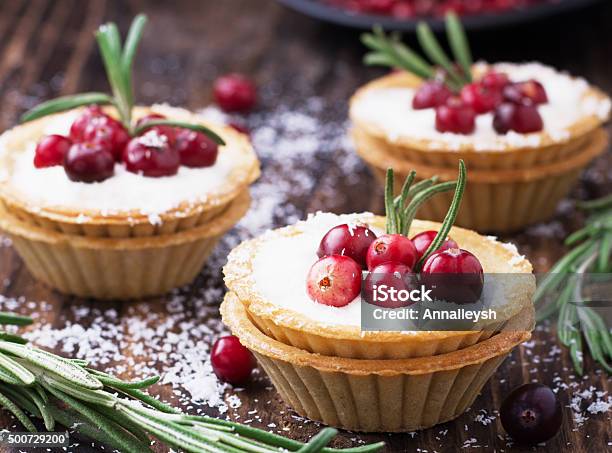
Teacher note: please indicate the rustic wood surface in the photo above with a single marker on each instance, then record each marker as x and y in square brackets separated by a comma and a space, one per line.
[46, 50]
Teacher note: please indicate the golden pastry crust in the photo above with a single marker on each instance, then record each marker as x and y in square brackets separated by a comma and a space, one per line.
[129, 223]
[295, 329]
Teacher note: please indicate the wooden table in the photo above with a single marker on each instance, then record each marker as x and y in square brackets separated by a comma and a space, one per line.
[47, 49]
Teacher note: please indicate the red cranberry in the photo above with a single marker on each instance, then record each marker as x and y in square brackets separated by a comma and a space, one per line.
[231, 361]
[455, 117]
[521, 118]
[151, 155]
[168, 131]
[349, 240]
[235, 93]
[423, 240]
[108, 132]
[196, 149]
[51, 150]
[494, 80]
[391, 248]
[334, 280]
[480, 98]
[392, 275]
[78, 126]
[520, 92]
[531, 414]
[430, 95]
[453, 275]
[89, 162]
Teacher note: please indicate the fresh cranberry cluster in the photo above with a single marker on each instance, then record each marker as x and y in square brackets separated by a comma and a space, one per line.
[347, 250]
[514, 104]
[404, 9]
[97, 141]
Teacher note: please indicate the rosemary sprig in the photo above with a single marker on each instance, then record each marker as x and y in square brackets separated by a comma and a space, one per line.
[390, 51]
[118, 62]
[116, 413]
[562, 291]
[401, 210]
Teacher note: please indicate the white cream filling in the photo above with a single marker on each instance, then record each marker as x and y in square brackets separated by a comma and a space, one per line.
[123, 192]
[390, 109]
[281, 265]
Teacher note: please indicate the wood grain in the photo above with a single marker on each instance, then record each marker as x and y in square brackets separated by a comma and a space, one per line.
[47, 50]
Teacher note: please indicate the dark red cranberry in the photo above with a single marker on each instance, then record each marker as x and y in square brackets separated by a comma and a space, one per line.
[235, 93]
[480, 98]
[195, 148]
[521, 118]
[107, 131]
[455, 117]
[51, 150]
[453, 275]
[168, 131]
[78, 126]
[239, 127]
[494, 80]
[403, 11]
[349, 240]
[89, 162]
[398, 277]
[423, 240]
[394, 248]
[430, 94]
[231, 361]
[520, 92]
[151, 155]
[531, 414]
[334, 280]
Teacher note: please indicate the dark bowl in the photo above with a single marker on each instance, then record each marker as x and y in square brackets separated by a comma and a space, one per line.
[321, 11]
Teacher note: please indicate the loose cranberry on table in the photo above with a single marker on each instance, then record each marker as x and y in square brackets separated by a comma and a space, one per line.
[51, 150]
[453, 275]
[480, 98]
[392, 275]
[231, 361]
[151, 155]
[531, 414]
[423, 240]
[89, 162]
[531, 90]
[521, 118]
[167, 131]
[430, 94]
[456, 117]
[195, 148]
[349, 240]
[235, 93]
[391, 248]
[334, 280]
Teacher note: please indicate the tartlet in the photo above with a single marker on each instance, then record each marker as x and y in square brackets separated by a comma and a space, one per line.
[276, 300]
[127, 205]
[377, 395]
[388, 131]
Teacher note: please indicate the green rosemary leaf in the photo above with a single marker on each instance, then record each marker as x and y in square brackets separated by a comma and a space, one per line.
[15, 320]
[319, 441]
[400, 200]
[148, 399]
[17, 412]
[124, 421]
[434, 52]
[5, 336]
[553, 307]
[566, 323]
[125, 441]
[19, 397]
[53, 363]
[9, 378]
[603, 260]
[17, 371]
[98, 397]
[422, 185]
[449, 219]
[117, 383]
[411, 61]
[129, 50]
[421, 197]
[599, 203]
[379, 59]
[41, 405]
[389, 211]
[194, 127]
[580, 235]
[593, 339]
[459, 44]
[576, 353]
[64, 103]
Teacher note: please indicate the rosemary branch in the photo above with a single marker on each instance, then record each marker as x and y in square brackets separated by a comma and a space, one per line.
[390, 51]
[562, 291]
[117, 413]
